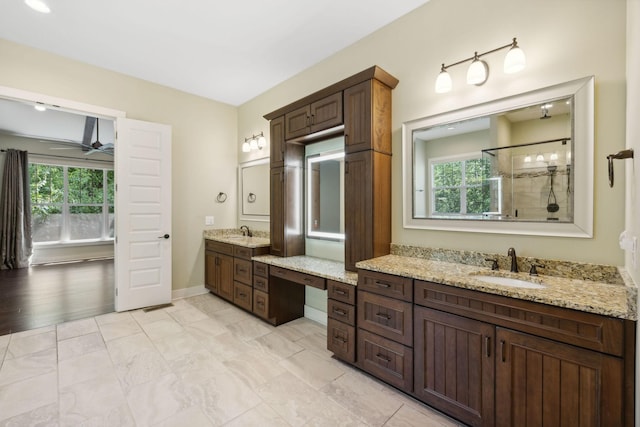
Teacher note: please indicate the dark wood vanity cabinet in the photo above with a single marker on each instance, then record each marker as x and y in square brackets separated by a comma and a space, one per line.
[491, 360]
[319, 115]
[274, 300]
[341, 322]
[363, 103]
[219, 269]
[385, 328]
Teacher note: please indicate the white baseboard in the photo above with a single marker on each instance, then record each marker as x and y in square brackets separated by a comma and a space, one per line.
[315, 315]
[191, 291]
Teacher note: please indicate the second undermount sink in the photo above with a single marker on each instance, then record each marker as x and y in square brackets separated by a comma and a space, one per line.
[509, 281]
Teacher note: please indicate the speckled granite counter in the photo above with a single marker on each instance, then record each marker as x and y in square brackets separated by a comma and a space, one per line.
[615, 300]
[235, 237]
[328, 269]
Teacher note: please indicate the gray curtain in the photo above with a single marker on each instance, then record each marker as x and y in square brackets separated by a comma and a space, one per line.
[16, 245]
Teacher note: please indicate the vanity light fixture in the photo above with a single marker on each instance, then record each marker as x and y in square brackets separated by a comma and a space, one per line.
[478, 71]
[38, 6]
[255, 142]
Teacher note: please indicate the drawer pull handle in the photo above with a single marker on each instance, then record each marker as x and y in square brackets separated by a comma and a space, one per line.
[383, 316]
[382, 284]
[383, 357]
[339, 312]
[260, 303]
[308, 280]
[340, 292]
[340, 339]
[242, 295]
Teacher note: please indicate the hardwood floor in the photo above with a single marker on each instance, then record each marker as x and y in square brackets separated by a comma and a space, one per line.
[50, 294]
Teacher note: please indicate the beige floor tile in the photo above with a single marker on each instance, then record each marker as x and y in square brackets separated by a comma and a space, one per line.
[80, 345]
[122, 349]
[276, 345]
[248, 329]
[43, 416]
[206, 328]
[410, 417]
[162, 328]
[84, 368]
[141, 368]
[208, 303]
[29, 342]
[76, 328]
[178, 345]
[157, 400]
[115, 317]
[31, 365]
[145, 317]
[230, 315]
[197, 366]
[254, 368]
[98, 398]
[188, 315]
[323, 371]
[262, 415]
[192, 416]
[226, 346]
[25, 396]
[118, 327]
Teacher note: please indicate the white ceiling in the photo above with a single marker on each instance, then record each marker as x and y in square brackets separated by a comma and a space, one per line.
[228, 51]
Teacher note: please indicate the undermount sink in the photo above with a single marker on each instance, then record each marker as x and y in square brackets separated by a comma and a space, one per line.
[509, 281]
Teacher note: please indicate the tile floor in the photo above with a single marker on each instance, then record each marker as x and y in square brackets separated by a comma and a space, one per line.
[201, 362]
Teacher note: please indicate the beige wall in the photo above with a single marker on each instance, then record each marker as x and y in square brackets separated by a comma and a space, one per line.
[563, 40]
[204, 155]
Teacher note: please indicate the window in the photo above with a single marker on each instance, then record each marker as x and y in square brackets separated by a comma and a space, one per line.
[461, 185]
[71, 204]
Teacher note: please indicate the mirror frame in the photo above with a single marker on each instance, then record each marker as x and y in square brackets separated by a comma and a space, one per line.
[583, 136]
[241, 215]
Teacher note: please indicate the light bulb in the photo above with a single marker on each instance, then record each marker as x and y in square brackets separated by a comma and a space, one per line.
[253, 144]
[515, 60]
[477, 73]
[443, 82]
[539, 158]
[554, 156]
[262, 141]
[527, 159]
[245, 147]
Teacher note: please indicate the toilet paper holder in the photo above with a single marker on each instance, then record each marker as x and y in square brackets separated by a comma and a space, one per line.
[624, 154]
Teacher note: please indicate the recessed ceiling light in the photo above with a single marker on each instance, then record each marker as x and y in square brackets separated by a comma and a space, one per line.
[38, 5]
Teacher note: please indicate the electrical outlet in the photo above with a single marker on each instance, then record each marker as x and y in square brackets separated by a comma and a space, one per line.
[208, 220]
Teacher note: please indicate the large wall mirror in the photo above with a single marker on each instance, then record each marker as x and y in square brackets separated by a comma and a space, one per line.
[253, 189]
[324, 176]
[517, 165]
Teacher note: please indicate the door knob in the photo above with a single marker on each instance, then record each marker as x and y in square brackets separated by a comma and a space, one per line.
[166, 236]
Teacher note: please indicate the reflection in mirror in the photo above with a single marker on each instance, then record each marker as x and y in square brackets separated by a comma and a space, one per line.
[253, 185]
[498, 167]
[325, 189]
[519, 165]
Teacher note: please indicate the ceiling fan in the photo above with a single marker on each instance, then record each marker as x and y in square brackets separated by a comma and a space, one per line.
[97, 146]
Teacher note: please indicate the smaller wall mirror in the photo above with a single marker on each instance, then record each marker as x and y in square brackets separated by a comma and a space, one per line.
[517, 165]
[325, 189]
[253, 189]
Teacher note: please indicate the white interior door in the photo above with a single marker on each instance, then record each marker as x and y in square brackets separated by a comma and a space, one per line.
[143, 214]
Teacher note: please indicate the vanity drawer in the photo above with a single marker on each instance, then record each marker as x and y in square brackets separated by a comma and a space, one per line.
[588, 330]
[385, 284]
[261, 304]
[341, 340]
[343, 312]
[242, 271]
[260, 283]
[223, 248]
[242, 252]
[385, 359]
[242, 295]
[387, 317]
[260, 269]
[298, 277]
[341, 292]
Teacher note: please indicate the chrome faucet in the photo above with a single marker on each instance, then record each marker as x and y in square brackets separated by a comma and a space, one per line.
[514, 263]
[245, 231]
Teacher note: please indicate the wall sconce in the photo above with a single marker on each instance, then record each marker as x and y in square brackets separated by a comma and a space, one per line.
[256, 142]
[478, 71]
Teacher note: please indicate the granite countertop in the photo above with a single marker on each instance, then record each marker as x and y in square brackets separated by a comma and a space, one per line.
[235, 237]
[320, 267]
[615, 300]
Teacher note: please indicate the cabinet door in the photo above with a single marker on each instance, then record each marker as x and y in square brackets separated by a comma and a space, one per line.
[326, 113]
[225, 276]
[242, 295]
[454, 365]
[386, 359]
[286, 228]
[210, 272]
[341, 340]
[242, 271]
[357, 118]
[276, 141]
[297, 122]
[540, 382]
[387, 317]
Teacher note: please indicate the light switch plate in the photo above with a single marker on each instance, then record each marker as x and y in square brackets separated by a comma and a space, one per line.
[208, 220]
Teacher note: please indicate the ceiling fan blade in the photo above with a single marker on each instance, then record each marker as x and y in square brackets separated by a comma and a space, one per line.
[89, 123]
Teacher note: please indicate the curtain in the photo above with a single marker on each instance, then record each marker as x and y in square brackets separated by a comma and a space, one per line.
[16, 245]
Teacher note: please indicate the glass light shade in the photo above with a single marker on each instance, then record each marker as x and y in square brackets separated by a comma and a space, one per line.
[514, 61]
[253, 144]
[527, 159]
[262, 142]
[539, 158]
[38, 5]
[554, 156]
[443, 82]
[246, 147]
[477, 72]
